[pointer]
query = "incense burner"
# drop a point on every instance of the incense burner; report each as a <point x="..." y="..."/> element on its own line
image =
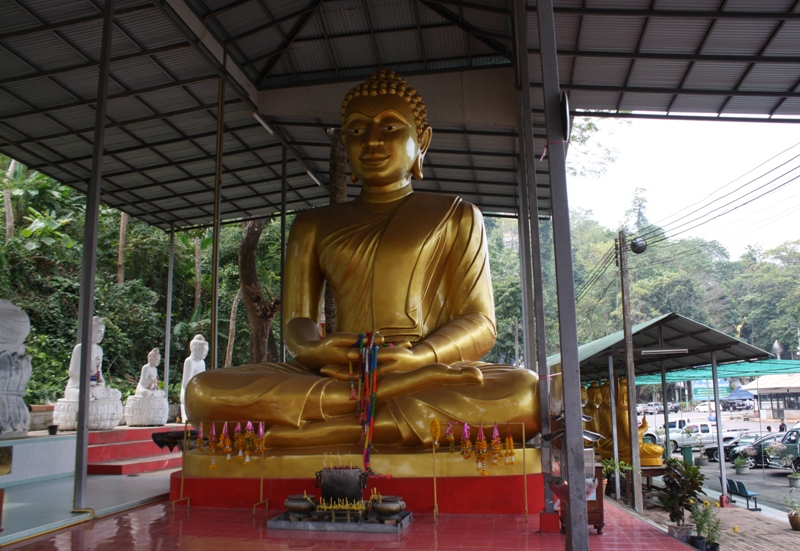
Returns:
<point x="341" y="483"/>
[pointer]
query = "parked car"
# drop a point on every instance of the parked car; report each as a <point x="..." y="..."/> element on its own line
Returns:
<point x="732" y="446"/>
<point x="654" y="407"/>
<point x="639" y="409"/>
<point x="754" y="453"/>
<point x="689" y="434"/>
<point x="673" y="407"/>
<point x="790" y="449"/>
<point x="705" y="407"/>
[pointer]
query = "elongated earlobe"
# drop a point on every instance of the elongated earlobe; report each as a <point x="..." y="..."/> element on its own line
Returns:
<point x="353" y="177"/>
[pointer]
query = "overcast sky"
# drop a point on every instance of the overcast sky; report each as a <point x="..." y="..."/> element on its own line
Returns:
<point x="681" y="163"/>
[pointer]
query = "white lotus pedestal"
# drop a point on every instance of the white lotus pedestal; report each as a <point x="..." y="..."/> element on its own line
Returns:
<point x="151" y="411"/>
<point x="103" y="414"/>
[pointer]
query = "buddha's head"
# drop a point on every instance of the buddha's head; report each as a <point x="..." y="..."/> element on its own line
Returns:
<point x="98" y="329"/>
<point x="154" y="357"/>
<point x="386" y="132"/>
<point x="595" y="395"/>
<point x="198" y="347"/>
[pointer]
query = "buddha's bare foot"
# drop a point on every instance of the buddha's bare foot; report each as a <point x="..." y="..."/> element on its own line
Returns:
<point x="428" y="376"/>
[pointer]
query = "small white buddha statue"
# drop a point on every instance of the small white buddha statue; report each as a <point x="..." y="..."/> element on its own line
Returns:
<point x="97" y="384"/>
<point x="148" y="381"/>
<point x="193" y="365"/>
<point x="105" y="406"/>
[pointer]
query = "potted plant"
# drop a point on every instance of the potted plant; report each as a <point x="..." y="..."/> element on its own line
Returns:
<point x="683" y="484"/>
<point x="741" y="465"/>
<point x="794" y="510"/>
<point x="610" y="466"/>
<point x="707" y="526"/>
<point x="794" y="476"/>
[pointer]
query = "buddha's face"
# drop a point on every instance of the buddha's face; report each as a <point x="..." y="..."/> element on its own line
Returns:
<point x="380" y="134"/>
<point x="98" y="330"/>
<point x="154" y="358"/>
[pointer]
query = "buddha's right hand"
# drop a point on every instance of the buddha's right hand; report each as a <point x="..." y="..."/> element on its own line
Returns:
<point x="310" y="350"/>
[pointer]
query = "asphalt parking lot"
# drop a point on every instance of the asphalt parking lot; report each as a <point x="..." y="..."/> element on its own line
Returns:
<point x="771" y="483"/>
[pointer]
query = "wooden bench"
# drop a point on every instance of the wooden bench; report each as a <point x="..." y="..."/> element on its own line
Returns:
<point x="740" y="489"/>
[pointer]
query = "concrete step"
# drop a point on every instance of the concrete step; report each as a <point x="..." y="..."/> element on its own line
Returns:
<point x="137" y="466"/>
<point x="127" y="434"/>
<point x="99" y="453"/>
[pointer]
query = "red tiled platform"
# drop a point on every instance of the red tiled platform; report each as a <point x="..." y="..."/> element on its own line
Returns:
<point x="124" y="451"/>
<point x="156" y="527"/>
<point x="459" y="495"/>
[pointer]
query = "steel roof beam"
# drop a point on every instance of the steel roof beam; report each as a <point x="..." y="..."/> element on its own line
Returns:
<point x="653" y="116"/>
<point x="90" y="64"/>
<point x="479" y="34"/>
<point x="132" y="93"/>
<point x="685" y="91"/>
<point x="699" y="14"/>
<point x="72" y="22"/>
<point x="296" y="29"/>
<point x="265" y="26"/>
<point x="723" y="58"/>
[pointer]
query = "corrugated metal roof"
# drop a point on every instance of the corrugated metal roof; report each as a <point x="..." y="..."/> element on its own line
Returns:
<point x="682" y="57"/>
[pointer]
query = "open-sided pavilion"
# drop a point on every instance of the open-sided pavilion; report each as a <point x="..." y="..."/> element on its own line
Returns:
<point x="193" y="112"/>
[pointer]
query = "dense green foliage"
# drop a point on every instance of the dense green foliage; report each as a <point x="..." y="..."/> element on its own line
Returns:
<point x="40" y="272"/>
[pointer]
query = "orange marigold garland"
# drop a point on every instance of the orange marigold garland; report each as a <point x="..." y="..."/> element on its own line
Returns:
<point x="497" y="445"/>
<point x="481" y="448"/>
<point x="448" y="435"/>
<point x="225" y="441"/>
<point x="510" y="453"/>
<point x="260" y="444"/>
<point x="200" y="440"/>
<point x="466" y="443"/>
<point x="436" y="432"/>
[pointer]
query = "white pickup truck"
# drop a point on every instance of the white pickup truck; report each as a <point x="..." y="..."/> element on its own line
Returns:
<point x="688" y="433"/>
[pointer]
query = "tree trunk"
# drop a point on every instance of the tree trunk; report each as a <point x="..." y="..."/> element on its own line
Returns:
<point x="123" y="235"/>
<point x="260" y="311"/>
<point x="232" y="328"/>
<point x="338" y="194"/>
<point x="12" y="167"/>
<point x="197" y="279"/>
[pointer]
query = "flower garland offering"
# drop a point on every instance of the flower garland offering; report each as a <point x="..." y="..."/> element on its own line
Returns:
<point x="261" y="441"/>
<point x="481" y="447"/>
<point x="238" y="439"/>
<point x="448" y="435"/>
<point x="212" y="446"/>
<point x="497" y="446"/>
<point x="435" y="432"/>
<point x="509" y="453"/>
<point x="225" y="441"/>
<point x="466" y="443"/>
<point x="249" y="443"/>
<point x="367" y="392"/>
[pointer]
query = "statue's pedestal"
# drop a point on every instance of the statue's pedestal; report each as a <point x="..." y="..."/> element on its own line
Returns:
<point x="146" y="412"/>
<point x="460" y="489"/>
<point x="103" y="414"/>
<point x="15" y="371"/>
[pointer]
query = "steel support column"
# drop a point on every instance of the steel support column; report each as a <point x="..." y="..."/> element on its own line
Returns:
<point x="613" y="398"/>
<point x="724" y="498"/>
<point x="86" y="301"/>
<point x="217" y="227"/>
<point x="282" y="351"/>
<point x="168" y="325"/>
<point x="530" y="247"/>
<point x="577" y="525"/>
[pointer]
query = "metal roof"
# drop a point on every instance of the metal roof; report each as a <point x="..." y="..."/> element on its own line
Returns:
<point x="690" y="341"/>
<point x="775" y="368"/>
<point x="735" y="60"/>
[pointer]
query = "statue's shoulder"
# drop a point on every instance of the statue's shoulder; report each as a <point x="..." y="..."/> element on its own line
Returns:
<point x="445" y="204"/>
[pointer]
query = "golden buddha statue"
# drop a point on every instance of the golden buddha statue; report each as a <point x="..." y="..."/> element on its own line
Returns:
<point x="595" y="398"/>
<point x="623" y="421"/>
<point x="650" y="455"/>
<point x="412" y="267"/>
<point x="605" y="446"/>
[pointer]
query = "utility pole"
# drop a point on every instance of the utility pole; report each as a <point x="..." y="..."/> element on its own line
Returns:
<point x="633" y="421"/>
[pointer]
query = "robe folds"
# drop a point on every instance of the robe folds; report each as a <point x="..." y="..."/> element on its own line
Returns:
<point x="414" y="270"/>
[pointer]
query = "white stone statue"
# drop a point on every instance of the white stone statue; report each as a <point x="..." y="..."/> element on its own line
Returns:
<point x="15" y="370"/>
<point x="149" y="406"/>
<point x="148" y="382"/>
<point x="105" y="407"/>
<point x="97" y="384"/>
<point x="193" y="365"/>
